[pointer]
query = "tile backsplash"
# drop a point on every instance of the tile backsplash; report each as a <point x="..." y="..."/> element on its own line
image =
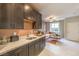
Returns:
<point x="20" y="32"/>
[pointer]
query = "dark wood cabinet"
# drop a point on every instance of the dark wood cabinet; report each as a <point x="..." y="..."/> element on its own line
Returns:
<point x="38" y="18"/>
<point x="11" y="15"/>
<point x="19" y="16"/>
<point x="35" y="16"/>
<point x="32" y="49"/>
<point x="28" y="13"/>
<point x="21" y="51"/>
<point x="36" y="47"/>
<point x="40" y="21"/>
<point x="42" y="44"/>
<point x="3" y="16"/>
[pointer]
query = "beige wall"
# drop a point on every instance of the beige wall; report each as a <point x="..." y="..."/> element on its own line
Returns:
<point x="71" y="28"/>
<point x="61" y="28"/>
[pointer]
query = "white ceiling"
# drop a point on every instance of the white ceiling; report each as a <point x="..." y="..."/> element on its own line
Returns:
<point x="59" y="10"/>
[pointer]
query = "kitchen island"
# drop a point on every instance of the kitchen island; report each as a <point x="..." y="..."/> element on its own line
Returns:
<point x="23" y="47"/>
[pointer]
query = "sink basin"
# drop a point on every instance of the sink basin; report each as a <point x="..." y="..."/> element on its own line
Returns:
<point x="1" y="47"/>
<point x="31" y="38"/>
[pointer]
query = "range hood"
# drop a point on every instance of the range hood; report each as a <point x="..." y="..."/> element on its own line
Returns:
<point x="29" y="24"/>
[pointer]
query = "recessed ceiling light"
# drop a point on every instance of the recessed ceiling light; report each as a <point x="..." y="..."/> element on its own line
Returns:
<point x="29" y="17"/>
<point x="27" y="7"/>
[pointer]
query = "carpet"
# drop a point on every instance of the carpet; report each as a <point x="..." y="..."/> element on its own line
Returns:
<point x="53" y="40"/>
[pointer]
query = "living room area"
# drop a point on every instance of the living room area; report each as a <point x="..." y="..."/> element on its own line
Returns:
<point x="62" y="37"/>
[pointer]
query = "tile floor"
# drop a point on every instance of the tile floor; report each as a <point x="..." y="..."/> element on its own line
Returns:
<point x="62" y="48"/>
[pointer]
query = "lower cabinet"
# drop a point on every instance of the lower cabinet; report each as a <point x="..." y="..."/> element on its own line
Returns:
<point x="21" y="51"/>
<point x="42" y="43"/>
<point x="32" y="49"/>
<point x="36" y="47"/>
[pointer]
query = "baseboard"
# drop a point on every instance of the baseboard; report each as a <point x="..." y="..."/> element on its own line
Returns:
<point x="73" y="40"/>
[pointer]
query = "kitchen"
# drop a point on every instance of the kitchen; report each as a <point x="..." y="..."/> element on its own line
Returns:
<point x="39" y="29"/>
<point x="19" y="24"/>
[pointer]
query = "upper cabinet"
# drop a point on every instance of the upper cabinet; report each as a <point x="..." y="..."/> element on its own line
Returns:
<point x="32" y="14"/>
<point x="3" y="16"/>
<point x="38" y="18"/>
<point x="11" y="16"/>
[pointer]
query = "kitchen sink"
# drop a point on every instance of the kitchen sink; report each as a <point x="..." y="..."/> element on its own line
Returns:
<point x="31" y="38"/>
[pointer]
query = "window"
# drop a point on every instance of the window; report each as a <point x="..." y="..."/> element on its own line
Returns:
<point x="54" y="27"/>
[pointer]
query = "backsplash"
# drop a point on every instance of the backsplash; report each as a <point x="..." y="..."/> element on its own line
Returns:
<point x="20" y="32"/>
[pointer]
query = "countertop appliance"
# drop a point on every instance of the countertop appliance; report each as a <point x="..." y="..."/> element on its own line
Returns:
<point x="14" y="37"/>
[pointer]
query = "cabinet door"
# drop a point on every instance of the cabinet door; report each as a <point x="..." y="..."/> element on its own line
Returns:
<point x="3" y="16"/>
<point x="37" y="48"/>
<point x="28" y="14"/>
<point x="19" y="16"/>
<point x="43" y="41"/>
<point x="22" y="51"/>
<point x="41" y="44"/>
<point x="7" y="13"/>
<point x="15" y="15"/>
<point x="11" y="15"/>
<point x="31" y="49"/>
<point x="38" y="19"/>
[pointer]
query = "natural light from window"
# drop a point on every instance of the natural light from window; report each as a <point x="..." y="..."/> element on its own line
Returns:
<point x="54" y="27"/>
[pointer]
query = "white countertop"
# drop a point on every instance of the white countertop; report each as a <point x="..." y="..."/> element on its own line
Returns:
<point x="13" y="45"/>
